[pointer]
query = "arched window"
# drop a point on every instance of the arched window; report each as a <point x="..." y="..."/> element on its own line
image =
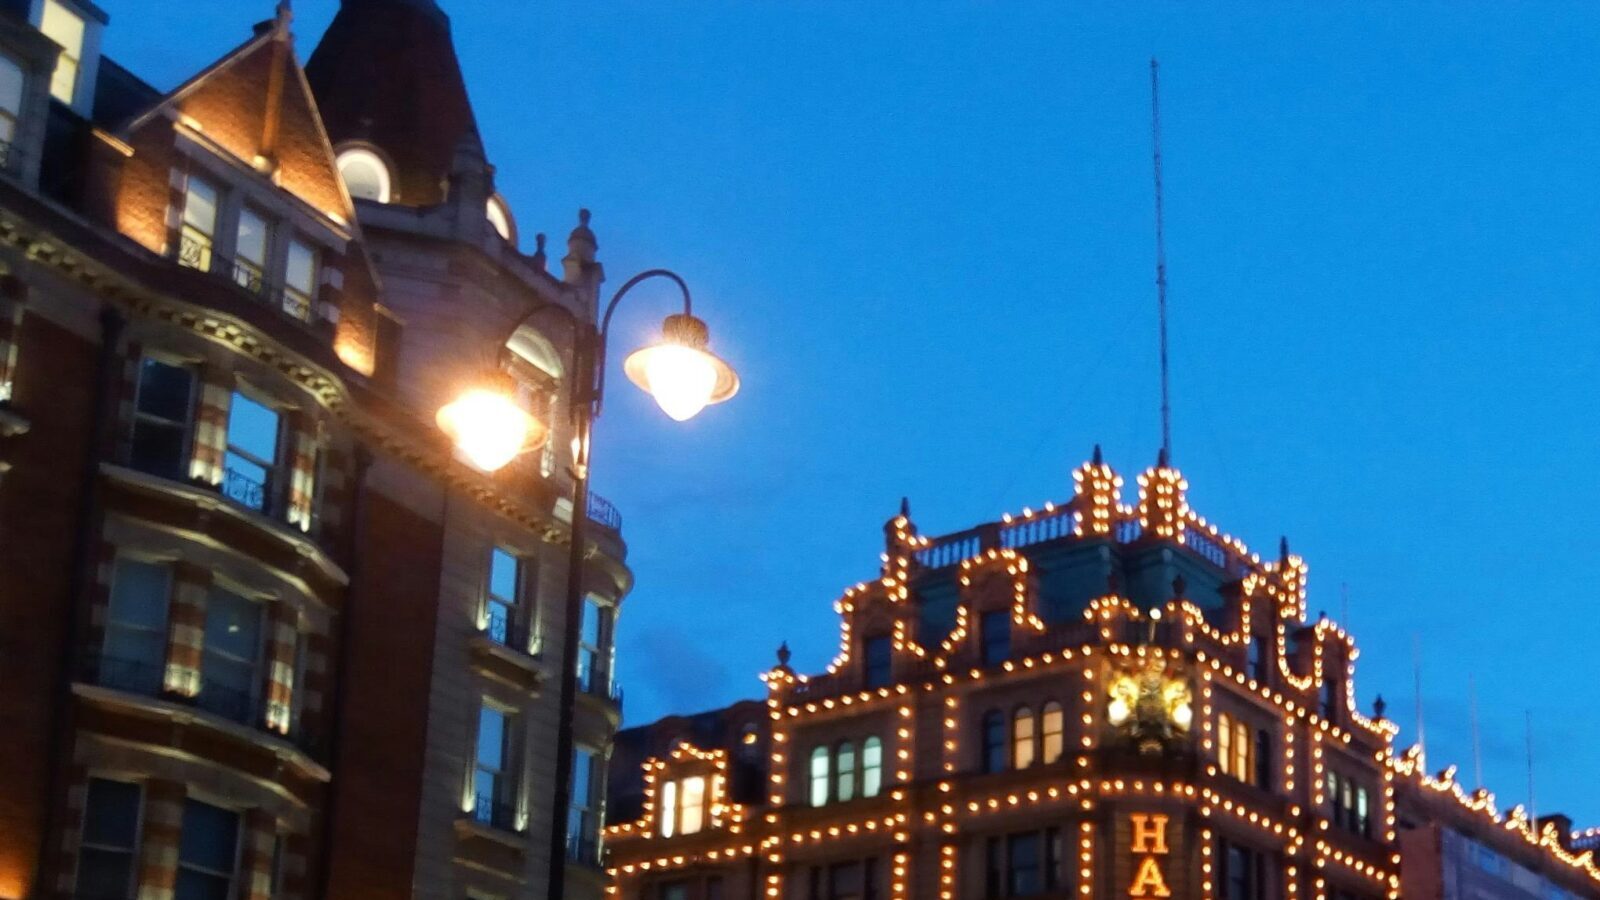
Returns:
<point x="1022" y="749"/>
<point x="846" y="772"/>
<point x="819" y="776"/>
<point x="366" y="175"/>
<point x="1053" y="725"/>
<point x="871" y="767"/>
<point x="994" y="741"/>
<point x="500" y="219"/>
<point x="667" y="815"/>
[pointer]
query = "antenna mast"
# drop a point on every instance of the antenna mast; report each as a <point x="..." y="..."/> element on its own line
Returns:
<point x="1533" y="811"/>
<point x="1161" y="256"/>
<point x="1477" y="740"/>
<point x="1416" y="664"/>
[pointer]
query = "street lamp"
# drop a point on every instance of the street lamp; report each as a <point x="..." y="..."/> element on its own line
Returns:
<point x="491" y="429"/>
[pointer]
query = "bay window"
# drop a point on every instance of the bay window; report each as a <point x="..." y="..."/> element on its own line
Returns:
<point x="134" y="654"/>
<point x="163" y="411"/>
<point x="250" y="251"/>
<point x="197" y="236"/>
<point x="254" y="435"/>
<point x="230" y="663"/>
<point x="108" y="853"/>
<point x="300" y="280"/>
<point x="208" y="848"/>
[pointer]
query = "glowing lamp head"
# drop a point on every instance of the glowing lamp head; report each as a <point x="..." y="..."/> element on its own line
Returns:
<point x="489" y="428"/>
<point x="679" y="371"/>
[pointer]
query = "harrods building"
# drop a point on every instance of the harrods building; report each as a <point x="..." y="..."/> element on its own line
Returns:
<point x="1097" y="699"/>
<point x="263" y="634"/>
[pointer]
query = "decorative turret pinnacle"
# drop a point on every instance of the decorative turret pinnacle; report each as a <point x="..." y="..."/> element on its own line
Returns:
<point x="1096" y="495"/>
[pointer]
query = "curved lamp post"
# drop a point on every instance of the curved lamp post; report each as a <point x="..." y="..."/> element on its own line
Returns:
<point x="491" y="429"/>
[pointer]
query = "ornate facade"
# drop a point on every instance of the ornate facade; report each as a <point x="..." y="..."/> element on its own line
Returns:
<point x="262" y="632"/>
<point x="1097" y="699"/>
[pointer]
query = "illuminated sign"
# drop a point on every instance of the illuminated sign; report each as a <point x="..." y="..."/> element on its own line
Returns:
<point x="1149" y="850"/>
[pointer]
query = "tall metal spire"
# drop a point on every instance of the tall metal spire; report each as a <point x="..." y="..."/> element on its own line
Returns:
<point x="1161" y="255"/>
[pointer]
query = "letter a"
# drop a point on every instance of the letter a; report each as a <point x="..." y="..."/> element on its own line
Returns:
<point x="1149" y="883"/>
<point x="1149" y="833"/>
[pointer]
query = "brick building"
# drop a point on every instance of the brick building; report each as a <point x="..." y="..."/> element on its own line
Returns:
<point x="1096" y="699"/>
<point x="262" y="632"/>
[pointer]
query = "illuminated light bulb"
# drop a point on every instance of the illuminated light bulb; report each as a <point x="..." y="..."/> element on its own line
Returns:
<point x="489" y="428"/>
<point x="679" y="372"/>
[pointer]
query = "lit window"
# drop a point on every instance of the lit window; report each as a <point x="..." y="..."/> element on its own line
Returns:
<point x="250" y="251"/>
<point x="871" y="767"/>
<point x="500" y="219"/>
<point x="819" y="776"/>
<point x="135" y="650"/>
<point x="208" y="847"/>
<point x="694" y="804"/>
<point x="1233" y="748"/>
<point x="162" y="410"/>
<point x="252" y="457"/>
<point x="231" y="658"/>
<point x="1022" y="749"/>
<point x="504" y="577"/>
<point x="669" y="808"/>
<point x="66" y="28"/>
<point x="1054" y="726"/>
<point x="11" y="85"/>
<point x="110" y="833"/>
<point x="198" y="235"/>
<point x="300" y="280"/>
<point x="846" y="776"/>
<point x="365" y="175"/>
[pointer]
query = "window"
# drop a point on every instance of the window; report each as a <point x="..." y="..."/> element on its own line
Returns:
<point x="250" y="251"/>
<point x="694" y="804"/>
<point x="252" y="457"/>
<point x="1263" y="759"/>
<point x="500" y="218"/>
<point x="879" y="657"/>
<point x="846" y="772"/>
<point x="668" y="815"/>
<point x="1243" y="873"/>
<point x="1330" y="699"/>
<point x="365" y="175"/>
<point x="714" y="888"/>
<point x="675" y="890"/>
<point x="593" y="637"/>
<point x="66" y="28"/>
<point x="856" y="880"/>
<point x="1234" y="748"/>
<point x="197" y="237"/>
<point x="995" y="631"/>
<point x="871" y="767"/>
<point x="994" y="741"/>
<point x="1053" y="726"/>
<point x="504" y="572"/>
<point x="1023" y="865"/>
<point x="162" y="409"/>
<point x="819" y="776"/>
<point x="207" y="852"/>
<point x="492" y="781"/>
<point x="12" y="82"/>
<point x="1022" y="749"/>
<point x="300" y="280"/>
<point x="1350" y="804"/>
<point x="583" y="814"/>
<point x="135" y="650"/>
<point x="1256" y="660"/>
<point x="231" y="656"/>
<point x="107" y="856"/>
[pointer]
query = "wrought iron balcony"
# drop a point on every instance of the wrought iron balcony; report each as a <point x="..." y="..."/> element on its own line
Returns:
<point x="603" y="513"/>
<point x="495" y="814"/>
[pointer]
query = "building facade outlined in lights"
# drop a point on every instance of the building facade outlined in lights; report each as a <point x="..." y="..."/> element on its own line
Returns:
<point x="1097" y="699"/>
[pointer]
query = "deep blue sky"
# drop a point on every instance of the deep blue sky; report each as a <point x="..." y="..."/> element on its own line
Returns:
<point x="922" y="231"/>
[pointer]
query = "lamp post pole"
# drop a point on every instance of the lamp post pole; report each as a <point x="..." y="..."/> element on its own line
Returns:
<point x="589" y="370"/>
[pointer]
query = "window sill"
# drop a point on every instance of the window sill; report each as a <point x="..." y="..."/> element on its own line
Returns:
<point x="467" y="826"/>
<point x="12" y="425"/>
<point x="523" y="671"/>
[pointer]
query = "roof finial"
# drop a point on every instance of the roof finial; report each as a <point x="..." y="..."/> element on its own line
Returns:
<point x="581" y="243"/>
<point x="1283" y="548"/>
<point x="1161" y="459"/>
<point x="539" y="257"/>
<point x="1098" y="459"/>
<point x="784" y="655"/>
<point x="285" y="15"/>
<point x="1379" y="707"/>
<point x="905" y="507"/>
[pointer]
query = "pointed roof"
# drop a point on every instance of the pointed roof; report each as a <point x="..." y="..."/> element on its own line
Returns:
<point x="386" y="73"/>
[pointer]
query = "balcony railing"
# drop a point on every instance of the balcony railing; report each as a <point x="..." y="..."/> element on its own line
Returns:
<point x="504" y="629"/>
<point x="496" y="814"/>
<point x="198" y="254"/>
<point x="583" y="849"/>
<point x="244" y="490"/>
<point x="603" y="513"/>
<point x="147" y="679"/>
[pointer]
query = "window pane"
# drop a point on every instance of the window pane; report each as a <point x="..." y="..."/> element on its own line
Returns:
<point x="879" y="661"/>
<point x="111" y="817"/>
<point x="253" y="428"/>
<point x="995" y="630"/>
<point x="694" y="798"/>
<point x="1053" y="725"/>
<point x="208" y="837"/>
<point x="994" y="741"/>
<point x="11" y="81"/>
<point x="233" y="628"/>
<point x="1025" y="856"/>
<point x="165" y="390"/>
<point x="200" y="207"/>
<point x="301" y="272"/>
<point x="1022" y="739"/>
<point x="503" y="576"/>
<point x="491" y="738"/>
<point x="590" y="627"/>
<point x="668" y="814"/>
<point x="819" y="776"/>
<point x="66" y="28"/>
<point x="252" y="244"/>
<point x="847" y="772"/>
<point x="871" y="767"/>
<point x="139" y="593"/>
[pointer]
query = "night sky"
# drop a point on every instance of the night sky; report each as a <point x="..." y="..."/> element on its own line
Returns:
<point x="923" y="233"/>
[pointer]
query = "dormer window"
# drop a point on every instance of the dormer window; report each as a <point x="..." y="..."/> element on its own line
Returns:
<point x="197" y="238"/>
<point x="500" y="219"/>
<point x="366" y="175"/>
<point x="64" y="26"/>
<point x="250" y="251"/>
<point x="300" y="280"/>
